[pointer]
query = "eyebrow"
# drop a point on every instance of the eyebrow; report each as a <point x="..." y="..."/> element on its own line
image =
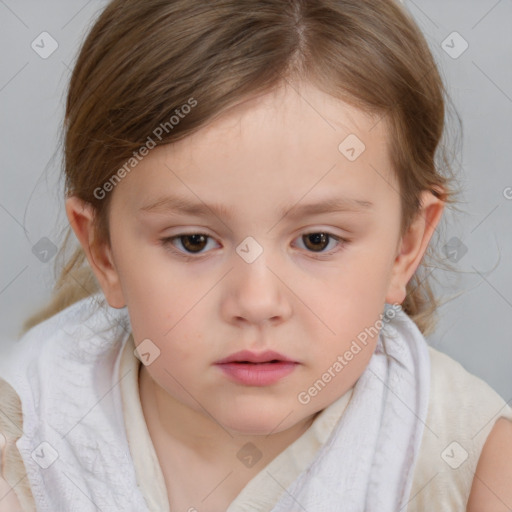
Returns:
<point x="178" y="204"/>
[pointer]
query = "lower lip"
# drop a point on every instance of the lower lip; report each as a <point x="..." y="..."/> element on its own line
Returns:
<point x="261" y="374"/>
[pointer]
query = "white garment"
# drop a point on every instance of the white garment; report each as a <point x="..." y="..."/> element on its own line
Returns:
<point x="70" y="362"/>
<point x="74" y="443"/>
<point x="367" y="463"/>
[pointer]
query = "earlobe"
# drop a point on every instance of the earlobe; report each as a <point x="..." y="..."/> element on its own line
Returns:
<point x="413" y="245"/>
<point x="81" y="218"/>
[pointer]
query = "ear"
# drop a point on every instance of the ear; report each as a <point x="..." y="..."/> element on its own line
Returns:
<point x="81" y="216"/>
<point x="413" y="245"/>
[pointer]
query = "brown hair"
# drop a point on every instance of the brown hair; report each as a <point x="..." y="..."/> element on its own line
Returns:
<point x="143" y="60"/>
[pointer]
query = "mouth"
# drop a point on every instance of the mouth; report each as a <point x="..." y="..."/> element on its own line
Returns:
<point x="252" y="369"/>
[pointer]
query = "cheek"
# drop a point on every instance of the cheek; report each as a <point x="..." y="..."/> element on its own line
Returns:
<point x="164" y="303"/>
<point x="356" y="292"/>
<point x="154" y="290"/>
<point x="174" y="326"/>
<point x="177" y="368"/>
<point x="350" y="308"/>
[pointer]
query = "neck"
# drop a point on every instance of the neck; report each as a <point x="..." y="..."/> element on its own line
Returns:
<point x="198" y="431"/>
<point x="194" y="450"/>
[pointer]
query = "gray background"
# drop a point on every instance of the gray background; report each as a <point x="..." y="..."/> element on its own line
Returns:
<point x="475" y="328"/>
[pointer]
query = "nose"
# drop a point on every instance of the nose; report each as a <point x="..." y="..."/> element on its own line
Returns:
<point x="257" y="293"/>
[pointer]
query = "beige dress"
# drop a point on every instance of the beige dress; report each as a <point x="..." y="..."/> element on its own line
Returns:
<point x="462" y="411"/>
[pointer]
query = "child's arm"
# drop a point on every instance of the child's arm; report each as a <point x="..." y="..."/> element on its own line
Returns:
<point x="491" y="490"/>
<point x="8" y="499"/>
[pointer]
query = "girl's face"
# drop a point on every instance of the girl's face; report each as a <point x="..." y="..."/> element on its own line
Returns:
<point x="296" y="214"/>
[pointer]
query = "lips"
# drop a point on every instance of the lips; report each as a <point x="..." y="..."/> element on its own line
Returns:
<point x="246" y="356"/>
<point x="253" y="369"/>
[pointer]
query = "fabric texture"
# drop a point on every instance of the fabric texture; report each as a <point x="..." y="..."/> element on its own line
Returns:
<point x="367" y="462"/>
<point x="464" y="415"/>
<point x="74" y="445"/>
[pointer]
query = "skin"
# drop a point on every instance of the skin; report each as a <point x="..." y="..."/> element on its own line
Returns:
<point x="8" y="499"/>
<point x="273" y="151"/>
<point x="491" y="490"/>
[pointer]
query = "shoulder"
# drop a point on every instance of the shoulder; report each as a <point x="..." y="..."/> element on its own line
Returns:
<point x="462" y="411"/>
<point x="80" y="334"/>
<point x="458" y="397"/>
<point x="491" y="490"/>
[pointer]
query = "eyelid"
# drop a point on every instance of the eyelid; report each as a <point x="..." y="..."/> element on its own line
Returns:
<point x="341" y="243"/>
<point x="169" y="246"/>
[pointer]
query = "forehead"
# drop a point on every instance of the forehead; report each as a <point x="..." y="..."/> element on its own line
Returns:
<point x="292" y="142"/>
<point x="292" y="116"/>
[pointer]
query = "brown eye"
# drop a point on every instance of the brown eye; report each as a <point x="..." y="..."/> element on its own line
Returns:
<point x="316" y="241"/>
<point x="194" y="243"/>
<point x="322" y="244"/>
<point x="187" y="244"/>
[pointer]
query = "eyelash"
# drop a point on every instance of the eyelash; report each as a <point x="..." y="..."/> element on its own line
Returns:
<point x="168" y="245"/>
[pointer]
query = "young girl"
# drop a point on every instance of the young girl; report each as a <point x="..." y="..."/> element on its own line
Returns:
<point x="254" y="186"/>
